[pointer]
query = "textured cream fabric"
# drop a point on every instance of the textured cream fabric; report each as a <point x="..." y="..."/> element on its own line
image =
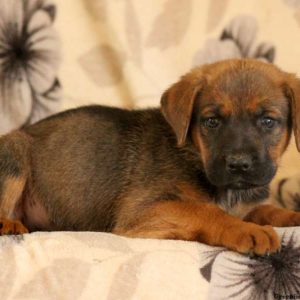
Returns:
<point x="93" y="266"/>
<point x="98" y="266"/>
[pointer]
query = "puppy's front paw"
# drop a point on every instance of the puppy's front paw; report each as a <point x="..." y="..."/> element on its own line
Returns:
<point x="251" y="238"/>
<point x="12" y="227"/>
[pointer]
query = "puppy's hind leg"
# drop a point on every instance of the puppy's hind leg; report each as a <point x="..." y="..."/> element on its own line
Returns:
<point x="14" y="171"/>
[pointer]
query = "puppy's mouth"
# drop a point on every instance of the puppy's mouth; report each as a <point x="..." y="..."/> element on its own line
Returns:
<point x="243" y="185"/>
<point x="224" y="181"/>
<point x="248" y="182"/>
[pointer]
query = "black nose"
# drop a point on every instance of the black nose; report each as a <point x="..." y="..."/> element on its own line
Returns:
<point x="238" y="163"/>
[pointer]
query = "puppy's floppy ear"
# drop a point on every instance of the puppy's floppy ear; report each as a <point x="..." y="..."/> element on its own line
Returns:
<point x="177" y="104"/>
<point x="292" y="89"/>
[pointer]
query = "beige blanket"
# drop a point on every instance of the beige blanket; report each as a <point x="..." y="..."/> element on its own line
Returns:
<point x="71" y="266"/>
<point x="99" y="266"/>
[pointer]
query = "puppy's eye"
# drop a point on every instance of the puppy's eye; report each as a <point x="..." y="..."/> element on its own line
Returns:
<point x="212" y="122"/>
<point x="268" y="122"/>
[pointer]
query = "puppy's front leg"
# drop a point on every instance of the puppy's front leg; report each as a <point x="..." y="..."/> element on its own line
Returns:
<point x="204" y="223"/>
<point x="270" y="215"/>
<point x="13" y="174"/>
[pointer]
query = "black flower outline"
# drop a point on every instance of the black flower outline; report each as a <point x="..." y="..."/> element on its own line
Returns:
<point x="274" y="276"/>
<point x="280" y="271"/>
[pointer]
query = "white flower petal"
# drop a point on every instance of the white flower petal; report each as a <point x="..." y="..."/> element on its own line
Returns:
<point x="39" y="20"/>
<point x="46" y="45"/>
<point x="11" y="19"/>
<point x="15" y="102"/>
<point x="45" y="39"/>
<point x="35" y="61"/>
<point x="41" y="75"/>
<point x="215" y="50"/>
<point x="242" y="29"/>
<point x="11" y="11"/>
<point x="34" y="5"/>
<point x="46" y="104"/>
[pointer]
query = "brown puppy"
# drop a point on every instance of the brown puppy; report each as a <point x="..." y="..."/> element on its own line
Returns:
<point x="177" y="173"/>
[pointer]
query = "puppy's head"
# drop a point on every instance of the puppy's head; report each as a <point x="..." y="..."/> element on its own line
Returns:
<point x="239" y="114"/>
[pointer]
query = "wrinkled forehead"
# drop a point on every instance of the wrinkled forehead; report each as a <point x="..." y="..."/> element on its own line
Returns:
<point x="238" y="90"/>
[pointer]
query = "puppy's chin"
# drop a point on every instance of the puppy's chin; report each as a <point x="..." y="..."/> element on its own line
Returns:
<point x="242" y="185"/>
<point x="228" y="198"/>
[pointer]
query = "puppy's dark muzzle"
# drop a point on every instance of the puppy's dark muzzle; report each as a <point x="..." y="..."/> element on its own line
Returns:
<point x="238" y="163"/>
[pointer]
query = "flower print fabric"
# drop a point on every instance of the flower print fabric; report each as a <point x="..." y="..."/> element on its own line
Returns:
<point x="273" y="276"/>
<point x="29" y="59"/>
<point x="237" y="40"/>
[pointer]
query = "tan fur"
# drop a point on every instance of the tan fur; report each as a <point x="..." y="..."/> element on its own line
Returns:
<point x="205" y="223"/>
<point x="11" y="194"/>
<point x="271" y="215"/>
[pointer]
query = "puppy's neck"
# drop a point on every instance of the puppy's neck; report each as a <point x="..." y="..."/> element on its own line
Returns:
<point x="228" y="198"/>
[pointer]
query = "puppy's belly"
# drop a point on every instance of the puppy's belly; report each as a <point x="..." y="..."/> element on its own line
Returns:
<point x="35" y="216"/>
